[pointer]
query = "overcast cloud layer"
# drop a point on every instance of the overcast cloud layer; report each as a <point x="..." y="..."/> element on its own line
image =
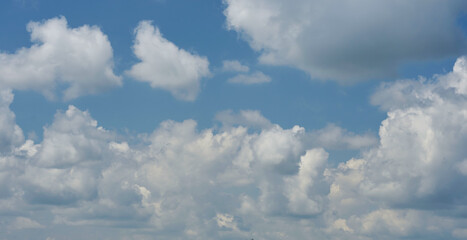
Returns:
<point x="248" y="179"/>
<point x="348" y="41"/>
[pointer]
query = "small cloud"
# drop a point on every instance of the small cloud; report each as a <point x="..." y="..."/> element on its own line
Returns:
<point x="234" y="66"/>
<point x="249" y="79"/>
<point x="164" y="65"/>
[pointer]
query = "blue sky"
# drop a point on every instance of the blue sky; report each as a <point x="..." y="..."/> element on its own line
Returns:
<point x="235" y="119"/>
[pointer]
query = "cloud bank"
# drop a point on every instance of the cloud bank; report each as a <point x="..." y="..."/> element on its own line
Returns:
<point x="347" y="41"/>
<point x="249" y="179"/>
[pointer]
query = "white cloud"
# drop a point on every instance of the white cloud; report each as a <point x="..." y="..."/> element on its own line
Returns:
<point x="350" y="40"/>
<point x="166" y="66"/>
<point x="234" y="183"/>
<point x="68" y="160"/>
<point x="435" y="140"/>
<point x="249" y="79"/>
<point x="79" y="59"/>
<point x="234" y="66"/>
<point x="415" y="168"/>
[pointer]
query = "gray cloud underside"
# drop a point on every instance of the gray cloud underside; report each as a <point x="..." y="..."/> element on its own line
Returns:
<point x="348" y="41"/>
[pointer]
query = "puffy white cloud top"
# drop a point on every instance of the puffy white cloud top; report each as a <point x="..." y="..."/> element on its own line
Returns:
<point x="166" y="66"/>
<point x="347" y="41"/>
<point x="78" y="60"/>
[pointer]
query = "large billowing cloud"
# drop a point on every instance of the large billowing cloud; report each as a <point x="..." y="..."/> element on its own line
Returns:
<point x="78" y="60"/>
<point x="348" y="40"/>
<point x="166" y="66"/>
<point x="249" y="179"/>
<point x="410" y="185"/>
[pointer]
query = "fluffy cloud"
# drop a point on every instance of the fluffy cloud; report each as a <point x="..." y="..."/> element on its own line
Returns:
<point x="249" y="79"/>
<point x="166" y="66"/>
<point x="250" y="178"/>
<point x="79" y="60"/>
<point x="350" y="40"/>
<point x="416" y="170"/>
<point x="431" y="120"/>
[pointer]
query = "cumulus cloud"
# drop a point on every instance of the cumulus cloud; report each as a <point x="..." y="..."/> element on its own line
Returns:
<point x="166" y="66"/>
<point x="431" y="122"/>
<point x="249" y="79"/>
<point x="347" y="41"/>
<point x="250" y="178"/>
<point x="234" y="66"/>
<point x="417" y="167"/>
<point x="78" y="60"/>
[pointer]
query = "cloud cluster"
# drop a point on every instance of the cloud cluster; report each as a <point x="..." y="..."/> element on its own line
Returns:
<point x="177" y="180"/>
<point x="347" y="41"/>
<point x="78" y="60"/>
<point x="166" y="66"/>
<point x="249" y="178"/>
